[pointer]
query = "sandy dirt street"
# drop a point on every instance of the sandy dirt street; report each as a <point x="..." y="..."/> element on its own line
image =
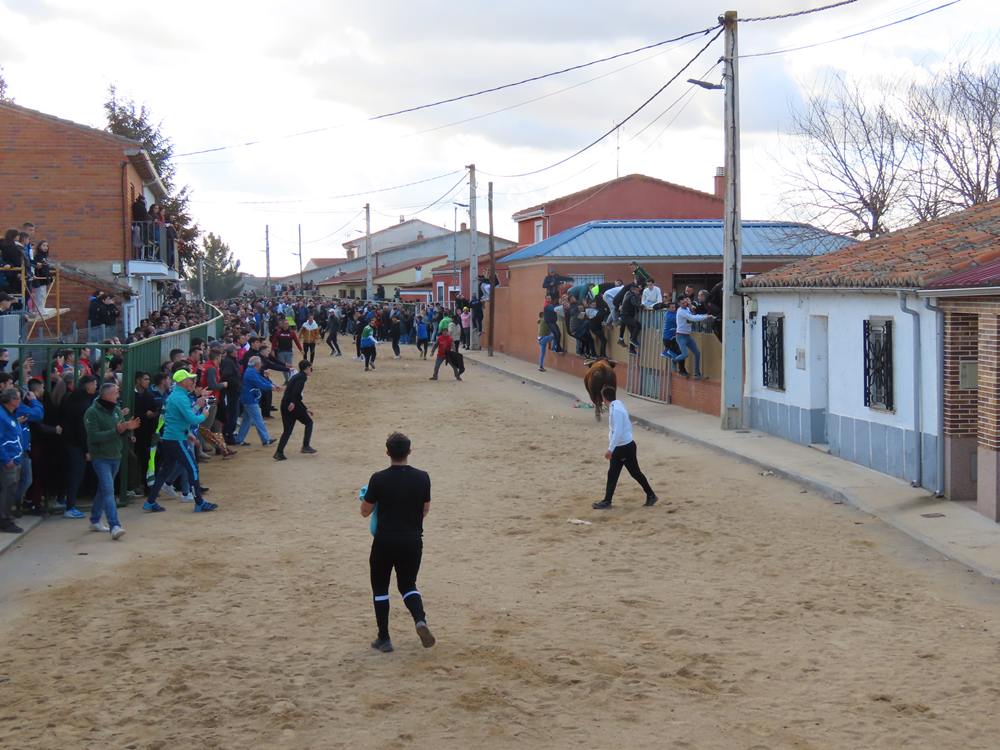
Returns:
<point x="741" y="612"/>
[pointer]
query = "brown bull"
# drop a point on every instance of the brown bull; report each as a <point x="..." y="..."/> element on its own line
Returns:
<point x="600" y="374"/>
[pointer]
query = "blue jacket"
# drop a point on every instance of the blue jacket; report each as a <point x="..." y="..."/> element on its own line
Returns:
<point x="179" y="415"/>
<point x="10" y="438"/>
<point x="422" y="331"/>
<point x="254" y="384"/>
<point x="669" y="325"/>
<point x="35" y="412"/>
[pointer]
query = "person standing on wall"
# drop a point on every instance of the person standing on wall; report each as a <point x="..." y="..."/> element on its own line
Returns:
<point x="402" y="496"/>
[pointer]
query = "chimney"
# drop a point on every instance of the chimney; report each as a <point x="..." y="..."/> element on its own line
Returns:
<point x="464" y="228"/>
<point x="402" y="219"/>
<point x="350" y="253"/>
<point x="720" y="182"/>
<point x="420" y="235"/>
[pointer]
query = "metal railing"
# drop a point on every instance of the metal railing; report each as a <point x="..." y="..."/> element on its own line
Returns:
<point x="152" y="241"/>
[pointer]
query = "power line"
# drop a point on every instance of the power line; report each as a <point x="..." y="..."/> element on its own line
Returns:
<point x="449" y="193"/>
<point x="796" y="13"/>
<point x="355" y="195"/>
<point x="850" y="36"/>
<point x="471" y="95"/>
<point x="634" y="112"/>
<point x="338" y="230"/>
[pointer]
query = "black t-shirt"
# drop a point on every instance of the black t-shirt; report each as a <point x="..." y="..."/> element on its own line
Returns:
<point x="399" y="494"/>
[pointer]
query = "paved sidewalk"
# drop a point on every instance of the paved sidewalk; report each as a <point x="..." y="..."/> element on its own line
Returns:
<point x="27" y="523"/>
<point x="959" y="532"/>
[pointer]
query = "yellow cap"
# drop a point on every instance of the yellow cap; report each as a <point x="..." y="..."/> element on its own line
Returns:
<point x="182" y="375"/>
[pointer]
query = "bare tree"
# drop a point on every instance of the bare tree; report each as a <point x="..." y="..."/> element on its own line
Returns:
<point x="850" y="175"/>
<point x="3" y="89"/>
<point x="955" y="122"/>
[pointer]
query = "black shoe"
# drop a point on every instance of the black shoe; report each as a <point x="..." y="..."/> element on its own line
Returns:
<point x="309" y="449"/>
<point x="603" y="505"/>
<point x="203" y="488"/>
<point x="10" y="527"/>
<point x="650" y="501"/>
<point x="382" y="644"/>
<point x="280" y="457"/>
<point x="425" y="635"/>
<point x="271" y="441"/>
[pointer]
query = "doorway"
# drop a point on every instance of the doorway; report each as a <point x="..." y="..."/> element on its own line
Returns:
<point x="819" y="377"/>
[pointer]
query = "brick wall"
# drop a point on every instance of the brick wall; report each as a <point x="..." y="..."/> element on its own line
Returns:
<point x="989" y="382"/>
<point x="69" y="182"/>
<point x="961" y="342"/>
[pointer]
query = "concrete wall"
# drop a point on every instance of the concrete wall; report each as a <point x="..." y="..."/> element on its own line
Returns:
<point x="823" y="399"/>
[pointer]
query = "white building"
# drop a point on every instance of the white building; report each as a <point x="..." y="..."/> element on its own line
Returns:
<point x="843" y="354"/>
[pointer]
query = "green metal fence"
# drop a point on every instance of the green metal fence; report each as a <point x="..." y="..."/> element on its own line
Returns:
<point x="147" y="355"/>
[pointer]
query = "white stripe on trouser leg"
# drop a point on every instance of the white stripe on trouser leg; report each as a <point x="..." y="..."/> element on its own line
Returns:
<point x="383" y="598"/>
<point x="410" y="593"/>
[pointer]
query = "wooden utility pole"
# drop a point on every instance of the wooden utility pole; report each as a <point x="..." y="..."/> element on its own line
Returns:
<point x="267" y="259"/>
<point x="369" y="289"/>
<point x="732" y="255"/>
<point x="473" y="249"/>
<point x="301" y="285"/>
<point x="493" y="275"/>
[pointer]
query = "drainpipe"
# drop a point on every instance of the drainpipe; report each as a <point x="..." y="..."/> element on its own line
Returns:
<point x="939" y="329"/>
<point x="917" y="422"/>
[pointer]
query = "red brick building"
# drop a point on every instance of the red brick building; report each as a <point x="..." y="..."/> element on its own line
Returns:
<point x="77" y="185"/>
<point x="634" y="196"/>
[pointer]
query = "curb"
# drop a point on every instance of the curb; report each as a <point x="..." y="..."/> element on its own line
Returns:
<point x="12" y="539"/>
<point x="820" y="488"/>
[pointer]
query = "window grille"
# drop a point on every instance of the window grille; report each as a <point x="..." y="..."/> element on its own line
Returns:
<point x="774" y="351"/>
<point x="878" y="364"/>
<point x="588" y="279"/>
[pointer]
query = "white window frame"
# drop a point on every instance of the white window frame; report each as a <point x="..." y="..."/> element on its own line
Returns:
<point x="539" y="230"/>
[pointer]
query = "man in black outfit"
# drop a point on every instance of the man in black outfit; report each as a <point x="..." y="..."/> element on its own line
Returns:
<point x="402" y="496"/>
<point x="229" y="372"/>
<point x="293" y="410"/>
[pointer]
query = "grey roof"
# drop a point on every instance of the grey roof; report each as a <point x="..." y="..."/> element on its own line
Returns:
<point x="680" y="238"/>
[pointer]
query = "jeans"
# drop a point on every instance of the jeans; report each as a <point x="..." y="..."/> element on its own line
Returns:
<point x="252" y="415"/>
<point x="8" y="486"/>
<point x="543" y="344"/>
<point x="77" y="461"/>
<point x="104" y="497"/>
<point x="26" y="478"/>
<point x="686" y="342"/>
<point x="286" y="358"/>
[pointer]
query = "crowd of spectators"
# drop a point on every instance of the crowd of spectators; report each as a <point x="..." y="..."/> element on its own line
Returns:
<point x="25" y="259"/>
<point x="154" y="236"/>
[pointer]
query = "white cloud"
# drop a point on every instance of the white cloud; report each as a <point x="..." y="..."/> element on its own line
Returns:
<point x="221" y="73"/>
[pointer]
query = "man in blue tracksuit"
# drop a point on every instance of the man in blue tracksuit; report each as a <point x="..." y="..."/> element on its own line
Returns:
<point x="254" y="384"/>
<point x="33" y="412"/>
<point x="11" y="455"/>
<point x="179" y="416"/>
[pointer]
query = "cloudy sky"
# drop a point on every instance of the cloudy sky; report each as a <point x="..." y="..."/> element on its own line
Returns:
<point x="303" y="78"/>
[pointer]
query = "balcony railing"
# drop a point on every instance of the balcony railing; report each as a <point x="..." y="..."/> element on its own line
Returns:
<point x="153" y="241"/>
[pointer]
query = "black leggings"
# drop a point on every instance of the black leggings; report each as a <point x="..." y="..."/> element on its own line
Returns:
<point x="331" y="341"/>
<point x="309" y="352"/>
<point x="288" y="420"/>
<point x="369" y="352"/>
<point x="395" y="343"/>
<point x="625" y="455"/>
<point x="403" y="554"/>
<point x="422" y="346"/>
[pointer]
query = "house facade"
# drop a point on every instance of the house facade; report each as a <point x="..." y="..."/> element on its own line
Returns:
<point x="352" y="285"/>
<point x="634" y="196"/>
<point x="406" y="231"/>
<point x="845" y="351"/>
<point x="77" y="184"/>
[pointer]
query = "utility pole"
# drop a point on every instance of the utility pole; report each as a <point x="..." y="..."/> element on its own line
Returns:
<point x="473" y="250"/>
<point x="301" y="284"/>
<point x="493" y="275"/>
<point x="732" y="254"/>
<point x="369" y="290"/>
<point x="201" y="277"/>
<point x="267" y="259"/>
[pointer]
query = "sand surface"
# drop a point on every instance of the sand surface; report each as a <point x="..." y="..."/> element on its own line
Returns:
<point x="741" y="612"/>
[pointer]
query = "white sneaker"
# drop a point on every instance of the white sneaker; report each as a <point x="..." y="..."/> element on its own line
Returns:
<point x="117" y="533"/>
<point x="396" y="357"/>
<point x="99" y="527"/>
<point x="188" y="498"/>
<point x="170" y="491"/>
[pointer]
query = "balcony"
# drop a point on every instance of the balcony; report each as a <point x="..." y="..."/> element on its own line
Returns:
<point x="154" y="251"/>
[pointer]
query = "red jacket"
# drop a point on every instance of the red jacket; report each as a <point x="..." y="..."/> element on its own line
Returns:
<point x="445" y="343"/>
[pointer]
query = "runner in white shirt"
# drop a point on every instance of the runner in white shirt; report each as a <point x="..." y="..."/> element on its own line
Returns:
<point x="621" y="451"/>
<point x="609" y="297"/>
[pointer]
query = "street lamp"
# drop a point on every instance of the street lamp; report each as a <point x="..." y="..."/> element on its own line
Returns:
<point x="706" y="84"/>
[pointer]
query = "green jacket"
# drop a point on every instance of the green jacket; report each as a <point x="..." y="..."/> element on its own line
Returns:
<point x="103" y="438"/>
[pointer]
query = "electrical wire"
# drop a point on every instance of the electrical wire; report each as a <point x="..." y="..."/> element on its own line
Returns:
<point x="634" y="112"/>
<point x="481" y="92"/>
<point x="355" y="195"/>
<point x="794" y="14"/>
<point x="338" y="230"/>
<point x="449" y="193"/>
<point x="849" y="36"/>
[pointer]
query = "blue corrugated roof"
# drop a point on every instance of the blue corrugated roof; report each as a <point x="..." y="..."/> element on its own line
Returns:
<point x="680" y="238"/>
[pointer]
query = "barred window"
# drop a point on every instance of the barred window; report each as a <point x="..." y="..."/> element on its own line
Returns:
<point x="878" y="363"/>
<point x="588" y="279"/>
<point x="774" y="351"/>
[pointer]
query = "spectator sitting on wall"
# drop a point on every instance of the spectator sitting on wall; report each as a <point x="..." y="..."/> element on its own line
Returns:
<point x="652" y="297"/>
<point x="551" y="284"/>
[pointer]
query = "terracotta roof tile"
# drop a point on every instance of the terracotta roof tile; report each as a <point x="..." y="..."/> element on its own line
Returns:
<point x="910" y="258"/>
